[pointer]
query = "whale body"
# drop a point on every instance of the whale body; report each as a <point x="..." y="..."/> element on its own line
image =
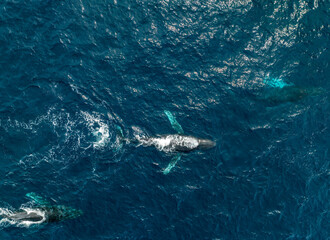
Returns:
<point x="278" y="91"/>
<point x="276" y="96"/>
<point x="177" y="143"/>
<point x="24" y="215"/>
<point x="42" y="213"/>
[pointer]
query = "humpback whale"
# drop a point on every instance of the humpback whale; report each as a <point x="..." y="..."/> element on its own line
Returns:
<point x="43" y="212"/>
<point x="278" y="91"/>
<point x="178" y="142"/>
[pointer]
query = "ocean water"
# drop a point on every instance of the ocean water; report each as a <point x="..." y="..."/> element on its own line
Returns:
<point x="72" y="71"/>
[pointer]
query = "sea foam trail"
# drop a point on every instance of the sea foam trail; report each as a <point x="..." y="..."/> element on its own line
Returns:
<point x="82" y="129"/>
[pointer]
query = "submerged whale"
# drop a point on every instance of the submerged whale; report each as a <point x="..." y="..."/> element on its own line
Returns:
<point x="44" y="212"/>
<point x="277" y="91"/>
<point x="177" y="143"/>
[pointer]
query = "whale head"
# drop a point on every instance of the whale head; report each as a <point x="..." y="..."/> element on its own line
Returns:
<point x="205" y="144"/>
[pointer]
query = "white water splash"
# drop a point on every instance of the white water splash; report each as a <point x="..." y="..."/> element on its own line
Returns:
<point x="98" y="128"/>
<point x="80" y="130"/>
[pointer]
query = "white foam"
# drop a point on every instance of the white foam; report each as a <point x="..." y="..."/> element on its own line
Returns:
<point x="74" y="130"/>
<point x="162" y="144"/>
<point x="102" y="136"/>
<point x="98" y="128"/>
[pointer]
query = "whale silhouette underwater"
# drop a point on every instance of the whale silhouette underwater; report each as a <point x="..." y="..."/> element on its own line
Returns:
<point x="277" y="91"/>
<point x="43" y="212"/>
<point x="178" y="143"/>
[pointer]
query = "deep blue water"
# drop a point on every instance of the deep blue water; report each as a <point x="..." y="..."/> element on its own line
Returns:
<point x="72" y="68"/>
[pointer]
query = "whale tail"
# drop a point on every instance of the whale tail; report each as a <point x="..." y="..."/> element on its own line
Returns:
<point x="175" y="125"/>
<point x="172" y="164"/>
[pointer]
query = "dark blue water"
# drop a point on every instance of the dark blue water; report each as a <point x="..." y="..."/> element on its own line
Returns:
<point x="70" y="70"/>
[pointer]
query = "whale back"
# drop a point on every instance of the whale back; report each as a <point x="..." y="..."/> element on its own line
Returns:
<point x="25" y="216"/>
<point x="174" y="143"/>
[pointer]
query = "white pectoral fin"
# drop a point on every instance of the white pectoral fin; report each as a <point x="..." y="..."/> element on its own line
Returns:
<point x="172" y="164"/>
<point x="175" y="125"/>
<point x="37" y="199"/>
<point x="276" y="83"/>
